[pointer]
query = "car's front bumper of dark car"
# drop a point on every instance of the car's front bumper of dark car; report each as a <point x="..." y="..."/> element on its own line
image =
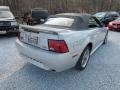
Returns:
<point x="11" y="29"/>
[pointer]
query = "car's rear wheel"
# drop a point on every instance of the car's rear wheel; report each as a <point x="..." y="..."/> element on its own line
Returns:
<point x="83" y="60"/>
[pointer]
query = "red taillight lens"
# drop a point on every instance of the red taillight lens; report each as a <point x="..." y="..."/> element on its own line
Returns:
<point x="58" y="46"/>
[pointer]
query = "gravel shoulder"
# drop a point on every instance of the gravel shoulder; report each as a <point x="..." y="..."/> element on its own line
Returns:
<point x="102" y="72"/>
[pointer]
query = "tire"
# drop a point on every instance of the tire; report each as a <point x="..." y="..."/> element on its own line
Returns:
<point x="106" y="39"/>
<point x="84" y="59"/>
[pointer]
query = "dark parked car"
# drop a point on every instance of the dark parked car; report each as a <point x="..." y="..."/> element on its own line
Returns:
<point x="106" y="17"/>
<point x="36" y="16"/>
<point x="8" y="23"/>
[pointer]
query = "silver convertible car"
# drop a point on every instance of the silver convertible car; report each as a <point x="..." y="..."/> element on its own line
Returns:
<point x="64" y="41"/>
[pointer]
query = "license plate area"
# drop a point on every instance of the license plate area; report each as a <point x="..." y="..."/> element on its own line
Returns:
<point x="33" y="38"/>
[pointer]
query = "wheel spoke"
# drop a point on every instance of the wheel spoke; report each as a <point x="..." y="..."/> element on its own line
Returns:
<point x="85" y="58"/>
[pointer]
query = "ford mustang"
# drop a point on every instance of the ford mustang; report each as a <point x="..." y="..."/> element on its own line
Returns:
<point x="64" y="41"/>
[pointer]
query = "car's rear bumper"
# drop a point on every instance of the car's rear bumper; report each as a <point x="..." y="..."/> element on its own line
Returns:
<point x="45" y="59"/>
<point x="9" y="28"/>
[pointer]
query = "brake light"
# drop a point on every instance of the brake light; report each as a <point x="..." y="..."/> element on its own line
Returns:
<point x="58" y="46"/>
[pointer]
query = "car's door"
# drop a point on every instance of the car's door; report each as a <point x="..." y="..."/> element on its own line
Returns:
<point x="98" y="32"/>
<point x="102" y="30"/>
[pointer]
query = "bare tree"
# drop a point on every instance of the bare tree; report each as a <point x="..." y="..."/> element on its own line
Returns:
<point x="58" y="6"/>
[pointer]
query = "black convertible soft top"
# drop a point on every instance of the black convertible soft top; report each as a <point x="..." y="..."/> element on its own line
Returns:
<point x="81" y="19"/>
<point x="84" y="16"/>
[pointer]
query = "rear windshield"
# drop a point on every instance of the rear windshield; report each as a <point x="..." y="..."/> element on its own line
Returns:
<point x="6" y="14"/>
<point x="60" y="21"/>
<point x="39" y="14"/>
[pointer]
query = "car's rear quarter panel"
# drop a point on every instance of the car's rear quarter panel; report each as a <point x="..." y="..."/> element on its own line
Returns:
<point x="76" y="41"/>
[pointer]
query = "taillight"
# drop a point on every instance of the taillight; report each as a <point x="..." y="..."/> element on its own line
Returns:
<point x="58" y="46"/>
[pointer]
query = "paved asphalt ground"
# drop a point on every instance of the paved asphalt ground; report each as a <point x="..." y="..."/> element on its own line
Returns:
<point x="102" y="72"/>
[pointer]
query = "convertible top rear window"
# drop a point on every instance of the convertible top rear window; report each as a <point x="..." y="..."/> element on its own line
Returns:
<point x="60" y="21"/>
<point x="73" y="22"/>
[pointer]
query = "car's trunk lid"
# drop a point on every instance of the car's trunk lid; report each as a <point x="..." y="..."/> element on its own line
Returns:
<point x="39" y="35"/>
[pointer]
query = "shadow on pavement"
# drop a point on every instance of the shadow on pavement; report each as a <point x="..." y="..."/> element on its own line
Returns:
<point x="7" y="35"/>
